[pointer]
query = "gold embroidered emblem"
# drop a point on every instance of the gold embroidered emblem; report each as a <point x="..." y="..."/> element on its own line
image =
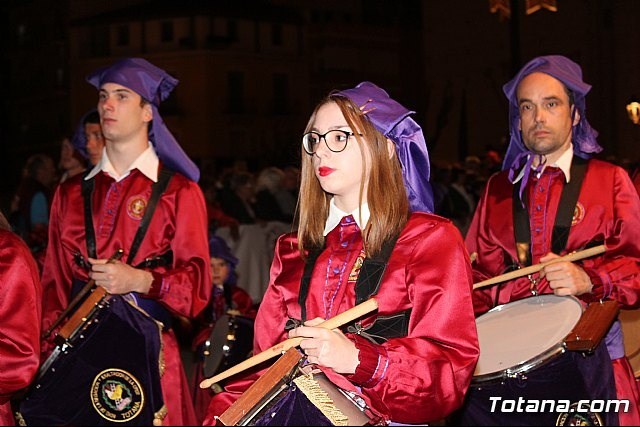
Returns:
<point x="578" y="214"/>
<point x="117" y="395"/>
<point x="355" y="271"/>
<point x="136" y="207"/>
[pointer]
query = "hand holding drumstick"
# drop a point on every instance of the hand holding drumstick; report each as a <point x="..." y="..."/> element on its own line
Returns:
<point x="562" y="274"/>
<point x="332" y="323"/>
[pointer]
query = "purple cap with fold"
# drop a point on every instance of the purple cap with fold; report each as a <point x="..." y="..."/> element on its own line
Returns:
<point x="154" y="85"/>
<point x="393" y="121"/>
<point x="583" y="135"/>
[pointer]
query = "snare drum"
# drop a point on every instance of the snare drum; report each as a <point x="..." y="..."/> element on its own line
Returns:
<point x="108" y="375"/>
<point x="520" y="336"/>
<point x="293" y="393"/>
<point x="230" y="342"/>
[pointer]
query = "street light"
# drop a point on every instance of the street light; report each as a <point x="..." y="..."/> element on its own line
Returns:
<point x="633" y="110"/>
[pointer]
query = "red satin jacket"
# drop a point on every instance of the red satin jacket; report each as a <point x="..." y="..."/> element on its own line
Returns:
<point x="606" y="212"/>
<point x="20" y="310"/>
<point x="417" y="378"/>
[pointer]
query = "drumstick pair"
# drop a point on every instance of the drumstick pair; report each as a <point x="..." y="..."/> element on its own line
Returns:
<point x="371" y="305"/>
<point x="335" y="322"/>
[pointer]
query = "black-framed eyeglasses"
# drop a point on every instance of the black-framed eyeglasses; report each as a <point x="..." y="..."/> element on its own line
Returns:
<point x="336" y="140"/>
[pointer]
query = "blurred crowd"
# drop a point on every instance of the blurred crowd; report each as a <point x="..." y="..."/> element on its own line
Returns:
<point x="239" y="195"/>
<point x="247" y="209"/>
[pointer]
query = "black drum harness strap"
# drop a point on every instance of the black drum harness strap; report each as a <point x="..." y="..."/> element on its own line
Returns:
<point x="367" y="285"/>
<point x="152" y="307"/>
<point x="564" y="216"/>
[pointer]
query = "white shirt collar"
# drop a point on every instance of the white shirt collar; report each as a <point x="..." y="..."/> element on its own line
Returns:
<point x="147" y="163"/>
<point x="336" y="214"/>
<point x="563" y="162"/>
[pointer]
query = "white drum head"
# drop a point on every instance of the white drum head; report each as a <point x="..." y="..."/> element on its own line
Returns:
<point x="520" y="335"/>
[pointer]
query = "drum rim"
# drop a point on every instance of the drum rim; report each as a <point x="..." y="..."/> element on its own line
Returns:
<point x="515" y="371"/>
<point x="213" y="361"/>
<point x="224" y="334"/>
<point x="532" y="363"/>
<point x="522" y="300"/>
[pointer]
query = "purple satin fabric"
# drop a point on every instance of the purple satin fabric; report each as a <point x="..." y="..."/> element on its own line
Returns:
<point x="393" y="121"/>
<point x="570" y="74"/>
<point x="154" y="85"/>
<point x="615" y="341"/>
<point x="414" y="158"/>
<point x="523" y="162"/>
<point x="292" y="409"/>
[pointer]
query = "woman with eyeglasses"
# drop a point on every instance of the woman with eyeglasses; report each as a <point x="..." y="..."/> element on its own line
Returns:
<point x="366" y="231"/>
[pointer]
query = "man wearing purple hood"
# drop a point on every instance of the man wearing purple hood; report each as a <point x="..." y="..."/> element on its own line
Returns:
<point x="366" y="230"/>
<point x="88" y="139"/>
<point x="551" y="199"/>
<point x="141" y="197"/>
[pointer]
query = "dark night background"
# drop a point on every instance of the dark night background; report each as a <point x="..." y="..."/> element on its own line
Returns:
<point x="250" y="71"/>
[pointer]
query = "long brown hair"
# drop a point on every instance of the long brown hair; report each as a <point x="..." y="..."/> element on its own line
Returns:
<point x="386" y="194"/>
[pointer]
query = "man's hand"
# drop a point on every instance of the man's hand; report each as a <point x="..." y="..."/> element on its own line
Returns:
<point x="565" y="277"/>
<point x="117" y="277"/>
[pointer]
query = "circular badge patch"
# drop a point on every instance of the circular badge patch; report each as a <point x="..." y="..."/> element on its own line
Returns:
<point x="578" y="418"/>
<point x="136" y="206"/>
<point x="578" y="214"/>
<point x="117" y="395"/>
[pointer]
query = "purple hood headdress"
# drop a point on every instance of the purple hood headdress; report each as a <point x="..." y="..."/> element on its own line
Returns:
<point x="583" y="135"/>
<point x="79" y="138"/>
<point x="154" y="85"/>
<point x="393" y="121"/>
<point x="218" y="248"/>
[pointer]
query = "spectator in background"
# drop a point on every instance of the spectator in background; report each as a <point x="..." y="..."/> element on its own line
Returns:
<point x="72" y="162"/>
<point x="226" y="298"/>
<point x="238" y="198"/>
<point x="216" y="217"/>
<point x="268" y="187"/>
<point x="31" y="202"/>
<point x="288" y="195"/>
<point x="458" y="204"/>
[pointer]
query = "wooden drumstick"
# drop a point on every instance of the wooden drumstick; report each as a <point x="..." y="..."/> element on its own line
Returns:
<point x="345" y="317"/>
<point x="76" y="300"/>
<point x="574" y="256"/>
